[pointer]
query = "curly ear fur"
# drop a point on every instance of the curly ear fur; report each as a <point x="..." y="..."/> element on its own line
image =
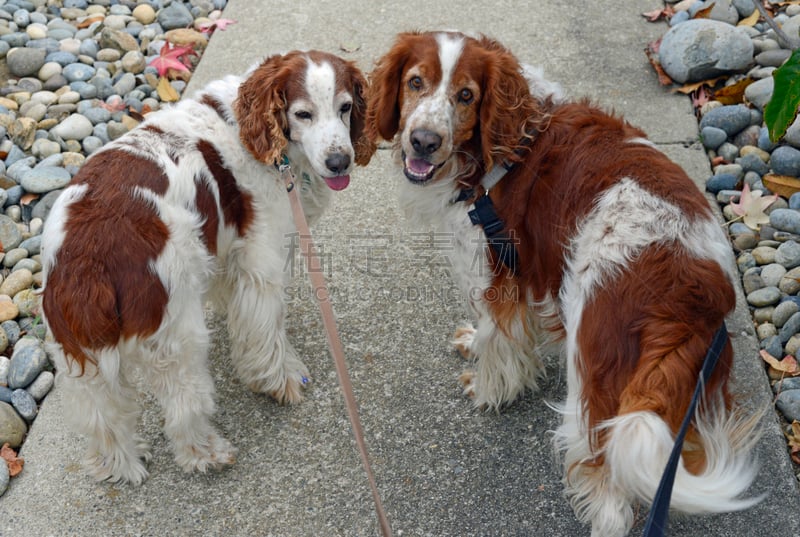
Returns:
<point x="509" y="114"/>
<point x="260" y="110"/>
<point x="363" y="146"/>
<point x="383" y="109"/>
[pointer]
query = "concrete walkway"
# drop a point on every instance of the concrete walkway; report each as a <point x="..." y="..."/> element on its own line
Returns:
<point x="442" y="468"/>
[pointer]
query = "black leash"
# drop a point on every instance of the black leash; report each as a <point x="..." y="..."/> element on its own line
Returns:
<point x="659" y="512"/>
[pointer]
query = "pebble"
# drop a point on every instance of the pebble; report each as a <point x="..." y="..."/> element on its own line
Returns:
<point x="42" y="385"/>
<point x="12" y="427"/>
<point x="788" y="254"/>
<point x="16" y="282"/>
<point x="730" y="119"/>
<point x="713" y="137"/>
<point x="785" y="160"/>
<point x="25" y="61"/>
<point x="75" y="127"/>
<point x="43" y="179"/>
<point x="25" y="405"/>
<point x="27" y="363"/>
<point x="766" y="296"/>
<point x="788" y="402"/>
<point x="701" y="49"/>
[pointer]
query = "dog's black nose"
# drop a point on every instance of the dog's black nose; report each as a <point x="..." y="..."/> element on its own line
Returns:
<point x="425" y="142"/>
<point x="337" y="163"/>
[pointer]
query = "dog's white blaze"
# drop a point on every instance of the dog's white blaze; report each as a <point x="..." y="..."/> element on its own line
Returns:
<point x="328" y="131"/>
<point x="435" y="111"/>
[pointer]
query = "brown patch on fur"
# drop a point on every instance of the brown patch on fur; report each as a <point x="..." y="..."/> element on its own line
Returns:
<point x="102" y="288"/>
<point x="207" y="206"/>
<point x="237" y="206"/>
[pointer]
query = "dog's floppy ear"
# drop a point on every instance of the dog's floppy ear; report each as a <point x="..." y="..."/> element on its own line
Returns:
<point x="260" y="109"/>
<point x="383" y="108"/>
<point x="509" y="114"/>
<point x="363" y="145"/>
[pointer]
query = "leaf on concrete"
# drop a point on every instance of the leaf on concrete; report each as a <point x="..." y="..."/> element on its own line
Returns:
<point x="781" y="109"/>
<point x="651" y="51"/>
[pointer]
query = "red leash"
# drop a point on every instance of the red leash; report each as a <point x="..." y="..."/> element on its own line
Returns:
<point x="329" y="320"/>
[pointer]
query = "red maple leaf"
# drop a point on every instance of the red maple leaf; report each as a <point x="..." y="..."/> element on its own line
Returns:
<point x="172" y="57"/>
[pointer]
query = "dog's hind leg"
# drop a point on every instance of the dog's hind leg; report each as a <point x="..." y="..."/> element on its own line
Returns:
<point x="176" y="369"/>
<point x="102" y="404"/>
<point x="260" y="349"/>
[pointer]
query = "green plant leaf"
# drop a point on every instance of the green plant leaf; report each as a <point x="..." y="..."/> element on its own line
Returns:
<point x="782" y="107"/>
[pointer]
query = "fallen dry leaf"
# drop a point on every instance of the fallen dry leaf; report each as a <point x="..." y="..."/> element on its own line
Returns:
<point x="686" y="89"/>
<point x="793" y="438"/>
<point x="651" y="51"/>
<point x="700" y="97"/>
<point x="166" y="92"/>
<point x="751" y="20"/>
<point x="783" y="185"/>
<point x="658" y="14"/>
<point x="15" y="463"/>
<point x="788" y="365"/>
<point x="733" y="94"/>
<point x="751" y="207"/>
<point x="704" y="13"/>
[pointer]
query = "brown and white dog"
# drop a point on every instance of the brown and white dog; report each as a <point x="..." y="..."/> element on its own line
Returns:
<point x="190" y="206"/>
<point x="617" y="252"/>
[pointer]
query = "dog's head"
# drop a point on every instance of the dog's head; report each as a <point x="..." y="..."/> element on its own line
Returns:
<point x="455" y="100"/>
<point x="313" y="100"/>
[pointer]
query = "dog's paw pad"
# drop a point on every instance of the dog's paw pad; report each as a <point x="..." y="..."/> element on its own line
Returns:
<point x="462" y="341"/>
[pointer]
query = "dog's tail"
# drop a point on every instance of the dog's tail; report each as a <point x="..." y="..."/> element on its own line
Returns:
<point x="639" y="444"/>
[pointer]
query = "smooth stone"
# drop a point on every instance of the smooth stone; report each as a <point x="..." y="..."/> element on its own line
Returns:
<point x="790" y="328"/>
<point x="785" y="160"/>
<point x="27" y="362"/>
<point x="118" y="39"/>
<point x="44" y="179"/>
<point x="713" y="137"/>
<point x="14" y="256"/>
<point x="144" y="13"/>
<point x="764" y="255"/>
<point x="788" y="254"/>
<point x="701" y="49"/>
<point x="752" y="281"/>
<point x="766" y="330"/>
<point x="788" y="402"/>
<point x="790" y="283"/>
<point x="753" y="163"/>
<point x="728" y="151"/>
<point x="783" y="312"/>
<point x="34" y="266"/>
<point x="5" y="393"/>
<point x="731" y="119"/>
<point x="74" y="127"/>
<point x="766" y="296"/>
<point x="773" y="58"/>
<point x="61" y="58"/>
<point x="785" y="220"/>
<point x="42" y="208"/>
<point x="10" y="235"/>
<point x="42" y="385"/>
<point x="44" y="148"/>
<point x="773" y="346"/>
<point x="722" y="181"/>
<point x="772" y="274"/>
<point x="24" y="404"/>
<point x="174" y="15"/>
<point x="25" y="61"/>
<point x="108" y="55"/>
<point x="16" y="282"/>
<point x="78" y="72"/>
<point x="12" y="427"/>
<point x="27" y="300"/>
<point x="785" y="384"/>
<point x="748" y="135"/>
<point x="134" y="62"/>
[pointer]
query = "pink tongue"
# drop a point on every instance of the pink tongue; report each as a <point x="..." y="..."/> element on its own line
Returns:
<point x="419" y="166"/>
<point x="338" y="182"/>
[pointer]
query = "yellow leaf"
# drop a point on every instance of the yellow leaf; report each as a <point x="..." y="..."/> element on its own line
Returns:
<point x="733" y="94"/>
<point x="751" y="20"/>
<point x="166" y="92"/>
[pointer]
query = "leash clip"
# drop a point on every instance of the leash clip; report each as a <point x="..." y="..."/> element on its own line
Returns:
<point x="285" y="170"/>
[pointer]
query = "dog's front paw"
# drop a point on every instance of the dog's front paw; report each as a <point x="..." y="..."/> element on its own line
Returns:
<point x="214" y="453"/>
<point x="119" y="466"/>
<point x="467" y="380"/>
<point x="462" y="341"/>
<point x="291" y="391"/>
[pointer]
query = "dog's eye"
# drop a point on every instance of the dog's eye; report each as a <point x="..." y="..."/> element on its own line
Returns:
<point x="465" y="96"/>
<point x="302" y="114"/>
<point x="415" y="83"/>
<point x="346" y="107"/>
